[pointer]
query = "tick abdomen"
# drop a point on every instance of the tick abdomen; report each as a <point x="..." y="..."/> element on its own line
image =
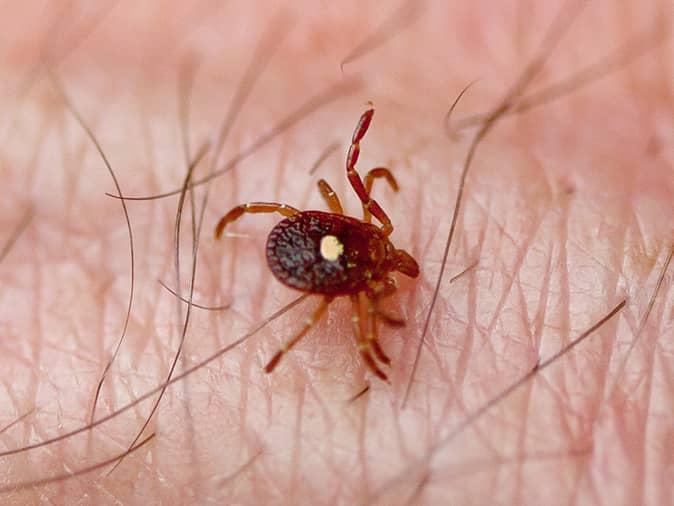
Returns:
<point x="326" y="253"/>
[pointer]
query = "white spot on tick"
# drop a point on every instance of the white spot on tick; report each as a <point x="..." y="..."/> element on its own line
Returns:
<point x="331" y="248"/>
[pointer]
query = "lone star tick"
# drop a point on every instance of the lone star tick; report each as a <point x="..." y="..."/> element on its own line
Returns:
<point x="331" y="255"/>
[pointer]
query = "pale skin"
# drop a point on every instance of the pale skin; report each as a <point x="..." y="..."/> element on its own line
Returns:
<point x="567" y="210"/>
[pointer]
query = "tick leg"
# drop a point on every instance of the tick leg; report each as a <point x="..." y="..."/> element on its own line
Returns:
<point x="330" y="197"/>
<point x="252" y="207"/>
<point x="378" y="172"/>
<point x="373" y="332"/>
<point x="363" y="345"/>
<point x="307" y="325"/>
<point x="390" y="320"/>
<point x="369" y="205"/>
<point x="380" y="289"/>
<point x="373" y="174"/>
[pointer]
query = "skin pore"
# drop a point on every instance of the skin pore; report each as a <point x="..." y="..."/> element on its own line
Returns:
<point x="567" y="211"/>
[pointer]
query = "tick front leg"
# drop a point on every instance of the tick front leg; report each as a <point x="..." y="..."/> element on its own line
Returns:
<point x="369" y="205"/>
<point x="376" y="173"/>
<point x="253" y="207"/>
<point x="307" y="325"/>
<point x="330" y="197"/>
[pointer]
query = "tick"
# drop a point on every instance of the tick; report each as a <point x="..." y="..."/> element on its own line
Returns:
<point x="332" y="255"/>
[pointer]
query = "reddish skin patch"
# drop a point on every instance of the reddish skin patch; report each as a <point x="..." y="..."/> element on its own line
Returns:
<point x="361" y="269"/>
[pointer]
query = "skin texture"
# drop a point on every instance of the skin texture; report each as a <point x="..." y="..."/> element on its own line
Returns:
<point x="568" y="209"/>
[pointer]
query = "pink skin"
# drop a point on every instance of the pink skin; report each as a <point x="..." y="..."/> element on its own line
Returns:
<point x="568" y="209"/>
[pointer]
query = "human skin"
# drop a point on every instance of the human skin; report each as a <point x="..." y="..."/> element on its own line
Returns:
<point x="567" y="211"/>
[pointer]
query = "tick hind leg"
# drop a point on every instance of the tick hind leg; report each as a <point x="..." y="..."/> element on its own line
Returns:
<point x="360" y="329"/>
<point x="310" y="322"/>
<point x="376" y="173"/>
<point x="369" y="205"/>
<point x="330" y="197"/>
<point x="252" y="207"/>
<point x="372" y="335"/>
<point x="390" y="320"/>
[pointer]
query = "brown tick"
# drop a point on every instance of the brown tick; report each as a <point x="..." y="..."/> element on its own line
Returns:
<point x="330" y="254"/>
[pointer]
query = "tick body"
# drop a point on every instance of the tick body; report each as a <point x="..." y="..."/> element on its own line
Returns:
<point x="331" y="255"/>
